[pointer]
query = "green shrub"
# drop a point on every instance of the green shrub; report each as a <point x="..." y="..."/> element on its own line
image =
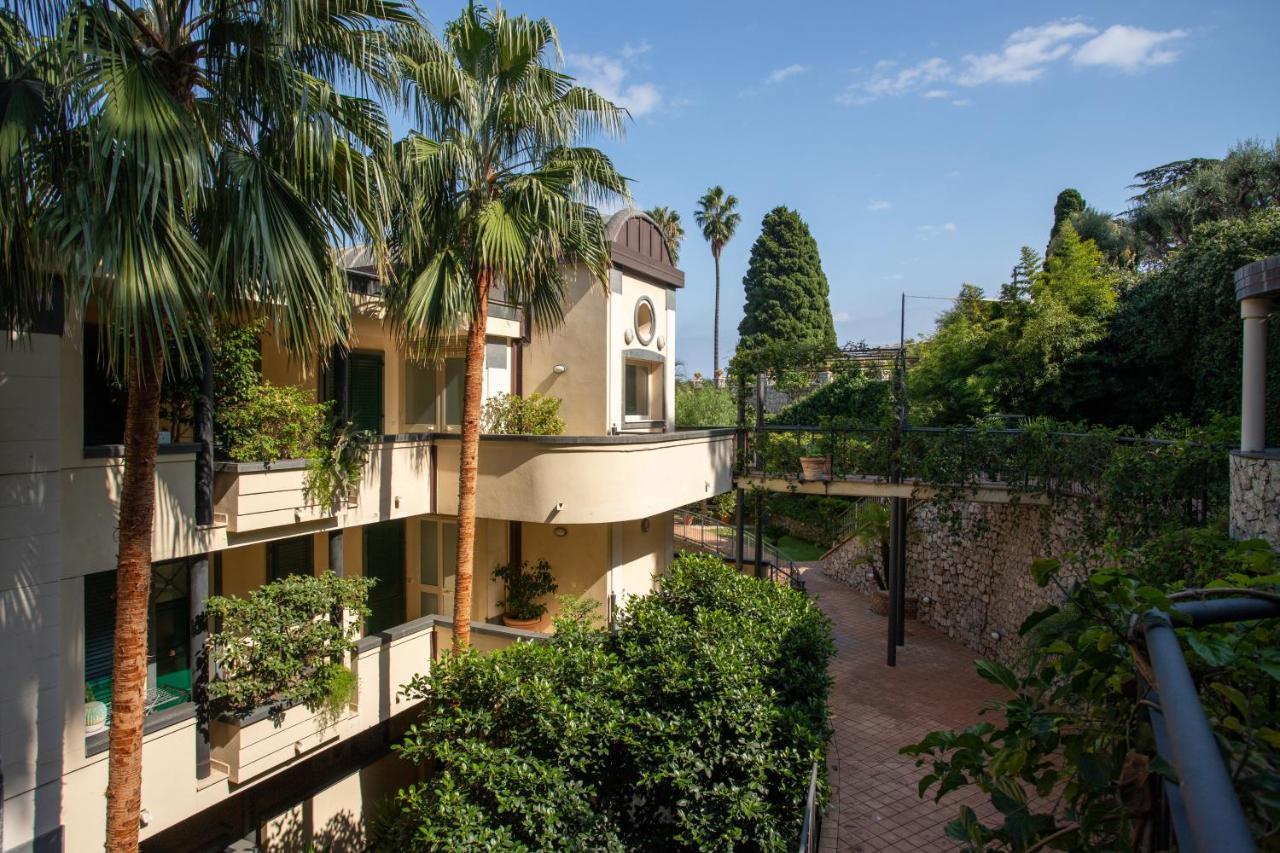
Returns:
<point x="704" y="405"/>
<point x="507" y="414"/>
<point x="281" y="646"/>
<point x="693" y="726"/>
<point x="271" y="422"/>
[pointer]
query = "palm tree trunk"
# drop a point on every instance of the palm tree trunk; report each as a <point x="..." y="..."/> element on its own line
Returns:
<point x="715" y="339"/>
<point x="133" y="591"/>
<point x="468" y="464"/>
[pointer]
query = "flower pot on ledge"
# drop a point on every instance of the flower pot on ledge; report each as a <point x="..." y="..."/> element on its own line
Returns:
<point x="880" y="604"/>
<point x="815" y="467"/>
<point x="527" y="624"/>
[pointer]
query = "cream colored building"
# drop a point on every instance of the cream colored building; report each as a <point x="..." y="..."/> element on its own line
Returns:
<point x="596" y="503"/>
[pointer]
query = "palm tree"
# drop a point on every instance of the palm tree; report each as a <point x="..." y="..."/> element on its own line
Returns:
<point x="181" y="163"/>
<point x="717" y="217"/>
<point x="497" y="193"/>
<point x="668" y="219"/>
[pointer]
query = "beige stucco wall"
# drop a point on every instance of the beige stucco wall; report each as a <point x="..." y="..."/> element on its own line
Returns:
<point x="579" y="344"/>
<point x="583" y="483"/>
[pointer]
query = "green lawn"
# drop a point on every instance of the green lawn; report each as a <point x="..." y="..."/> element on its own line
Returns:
<point x="798" y="550"/>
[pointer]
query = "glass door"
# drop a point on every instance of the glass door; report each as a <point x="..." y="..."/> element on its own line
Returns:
<point x="437" y="566"/>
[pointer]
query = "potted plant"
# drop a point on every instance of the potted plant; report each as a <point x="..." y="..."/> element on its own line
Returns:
<point x="524" y="586"/>
<point x="871" y="528"/>
<point x="95" y="712"/>
<point x="812" y="465"/>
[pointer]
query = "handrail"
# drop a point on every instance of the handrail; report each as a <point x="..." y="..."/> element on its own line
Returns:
<point x="1202" y="803"/>
<point x="810" y="828"/>
<point x="727" y="548"/>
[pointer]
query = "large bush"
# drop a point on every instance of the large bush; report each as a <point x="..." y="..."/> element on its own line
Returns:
<point x="508" y="414"/>
<point x="693" y="726"/>
<point x="272" y="422"/>
<point x="705" y="405"/>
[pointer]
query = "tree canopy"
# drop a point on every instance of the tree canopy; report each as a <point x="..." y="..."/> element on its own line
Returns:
<point x="787" y="296"/>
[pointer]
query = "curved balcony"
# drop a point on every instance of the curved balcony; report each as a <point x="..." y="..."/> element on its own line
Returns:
<point x="566" y="479"/>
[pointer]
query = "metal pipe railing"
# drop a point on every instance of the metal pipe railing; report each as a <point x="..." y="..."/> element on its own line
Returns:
<point x="1203" y="805"/>
<point x="811" y="826"/>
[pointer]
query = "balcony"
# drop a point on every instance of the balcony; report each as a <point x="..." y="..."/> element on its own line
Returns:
<point x="254" y="496"/>
<point x="589" y="479"/>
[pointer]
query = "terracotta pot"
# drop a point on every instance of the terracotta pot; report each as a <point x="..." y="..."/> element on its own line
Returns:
<point x="815" y="467"/>
<point x="880" y="604"/>
<point x="527" y="624"/>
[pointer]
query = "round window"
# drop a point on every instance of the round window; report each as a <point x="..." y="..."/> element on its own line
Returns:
<point x="646" y="322"/>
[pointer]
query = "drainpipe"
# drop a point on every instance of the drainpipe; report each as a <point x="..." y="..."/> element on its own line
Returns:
<point x="1253" y="391"/>
<point x="198" y="655"/>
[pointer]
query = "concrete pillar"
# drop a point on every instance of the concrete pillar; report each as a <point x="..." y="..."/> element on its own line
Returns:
<point x="1253" y="391"/>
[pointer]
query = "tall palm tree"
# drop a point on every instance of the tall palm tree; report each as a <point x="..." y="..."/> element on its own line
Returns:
<point x="182" y="163"/>
<point x="718" y="218"/>
<point x="668" y="219"/>
<point x="496" y="193"/>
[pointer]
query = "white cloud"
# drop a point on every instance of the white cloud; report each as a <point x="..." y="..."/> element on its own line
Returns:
<point x="878" y="204"/>
<point x="630" y="51"/>
<point x="1026" y="52"/>
<point x="841" y="317"/>
<point x="777" y="75"/>
<point x="928" y="232"/>
<point x="1128" y="48"/>
<point x="887" y="80"/>
<point x="608" y="75"/>
<point x="1024" y="58"/>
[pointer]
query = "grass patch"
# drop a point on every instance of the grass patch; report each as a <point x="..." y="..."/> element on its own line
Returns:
<point x="799" y="550"/>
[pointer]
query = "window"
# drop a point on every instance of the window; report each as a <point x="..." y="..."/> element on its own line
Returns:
<point x="637" y="391"/>
<point x="364" y="390"/>
<point x="645" y="321"/>
<point x="437" y="566"/>
<point x="435" y="390"/>
<point x="168" y="635"/>
<point x="287" y="557"/>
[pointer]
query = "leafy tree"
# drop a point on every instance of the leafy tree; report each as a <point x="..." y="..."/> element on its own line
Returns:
<point x="704" y="405"/>
<point x="718" y="218"/>
<point x="499" y="191"/>
<point x="1068" y="203"/>
<point x="173" y="164"/>
<point x="787" y="297"/>
<point x="853" y="398"/>
<point x="691" y="727"/>
<point x="668" y="219"/>
<point x="1112" y="235"/>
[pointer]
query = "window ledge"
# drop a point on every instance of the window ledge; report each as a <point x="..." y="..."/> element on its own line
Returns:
<point x="98" y="742"/>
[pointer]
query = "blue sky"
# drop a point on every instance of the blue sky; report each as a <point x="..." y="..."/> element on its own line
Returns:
<point x="923" y="142"/>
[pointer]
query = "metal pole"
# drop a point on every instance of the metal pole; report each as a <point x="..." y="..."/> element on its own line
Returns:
<point x="891" y="581"/>
<point x="204" y="438"/>
<point x="1213" y="811"/>
<point x="901" y="530"/>
<point x="740" y="533"/>
<point x="759" y="498"/>
<point x="198" y="654"/>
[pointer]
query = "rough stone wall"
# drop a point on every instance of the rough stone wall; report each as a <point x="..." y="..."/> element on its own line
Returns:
<point x="974" y="580"/>
<point x="1255" y="496"/>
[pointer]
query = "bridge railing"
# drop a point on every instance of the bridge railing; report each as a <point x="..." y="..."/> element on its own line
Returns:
<point x="1190" y="474"/>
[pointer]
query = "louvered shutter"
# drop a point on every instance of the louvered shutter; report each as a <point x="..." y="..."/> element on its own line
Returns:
<point x="365" y="391"/>
<point x="384" y="560"/>
<point x="289" y="557"/>
<point x="99" y="632"/>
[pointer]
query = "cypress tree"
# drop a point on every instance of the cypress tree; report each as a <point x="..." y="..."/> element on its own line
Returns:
<point x="787" y="297"/>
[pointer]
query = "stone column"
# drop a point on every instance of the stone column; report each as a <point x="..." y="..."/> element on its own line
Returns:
<point x="1253" y="396"/>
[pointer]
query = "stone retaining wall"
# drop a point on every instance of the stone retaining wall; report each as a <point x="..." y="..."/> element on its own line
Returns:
<point x="1255" y="495"/>
<point x="974" y="583"/>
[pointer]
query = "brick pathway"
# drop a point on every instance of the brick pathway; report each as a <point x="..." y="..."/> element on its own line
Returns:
<point x="877" y="710"/>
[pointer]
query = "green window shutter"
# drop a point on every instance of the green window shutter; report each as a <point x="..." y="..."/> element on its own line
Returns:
<point x="289" y="557"/>
<point x="99" y="632"/>
<point x="365" y="391"/>
<point x="384" y="561"/>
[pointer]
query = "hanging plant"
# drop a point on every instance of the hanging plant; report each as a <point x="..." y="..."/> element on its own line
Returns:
<point x="335" y="469"/>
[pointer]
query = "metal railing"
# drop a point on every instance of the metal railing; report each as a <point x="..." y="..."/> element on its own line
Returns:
<point x="1021" y="459"/>
<point x="811" y="826"/>
<point x="711" y="535"/>
<point x="1199" y="807"/>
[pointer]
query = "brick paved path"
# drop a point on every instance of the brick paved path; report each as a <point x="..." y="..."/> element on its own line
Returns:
<point x="877" y="710"/>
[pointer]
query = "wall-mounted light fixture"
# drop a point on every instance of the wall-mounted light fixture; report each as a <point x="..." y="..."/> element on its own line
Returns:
<point x="644" y="525"/>
<point x="561" y="531"/>
<point x="995" y="635"/>
<point x="559" y="368"/>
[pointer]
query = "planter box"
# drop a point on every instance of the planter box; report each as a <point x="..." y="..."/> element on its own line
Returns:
<point x="256" y="744"/>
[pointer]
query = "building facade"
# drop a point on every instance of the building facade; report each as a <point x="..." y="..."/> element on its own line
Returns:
<point x="594" y="502"/>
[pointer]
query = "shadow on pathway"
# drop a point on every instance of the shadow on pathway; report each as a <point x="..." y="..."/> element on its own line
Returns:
<point x="876" y="710"/>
